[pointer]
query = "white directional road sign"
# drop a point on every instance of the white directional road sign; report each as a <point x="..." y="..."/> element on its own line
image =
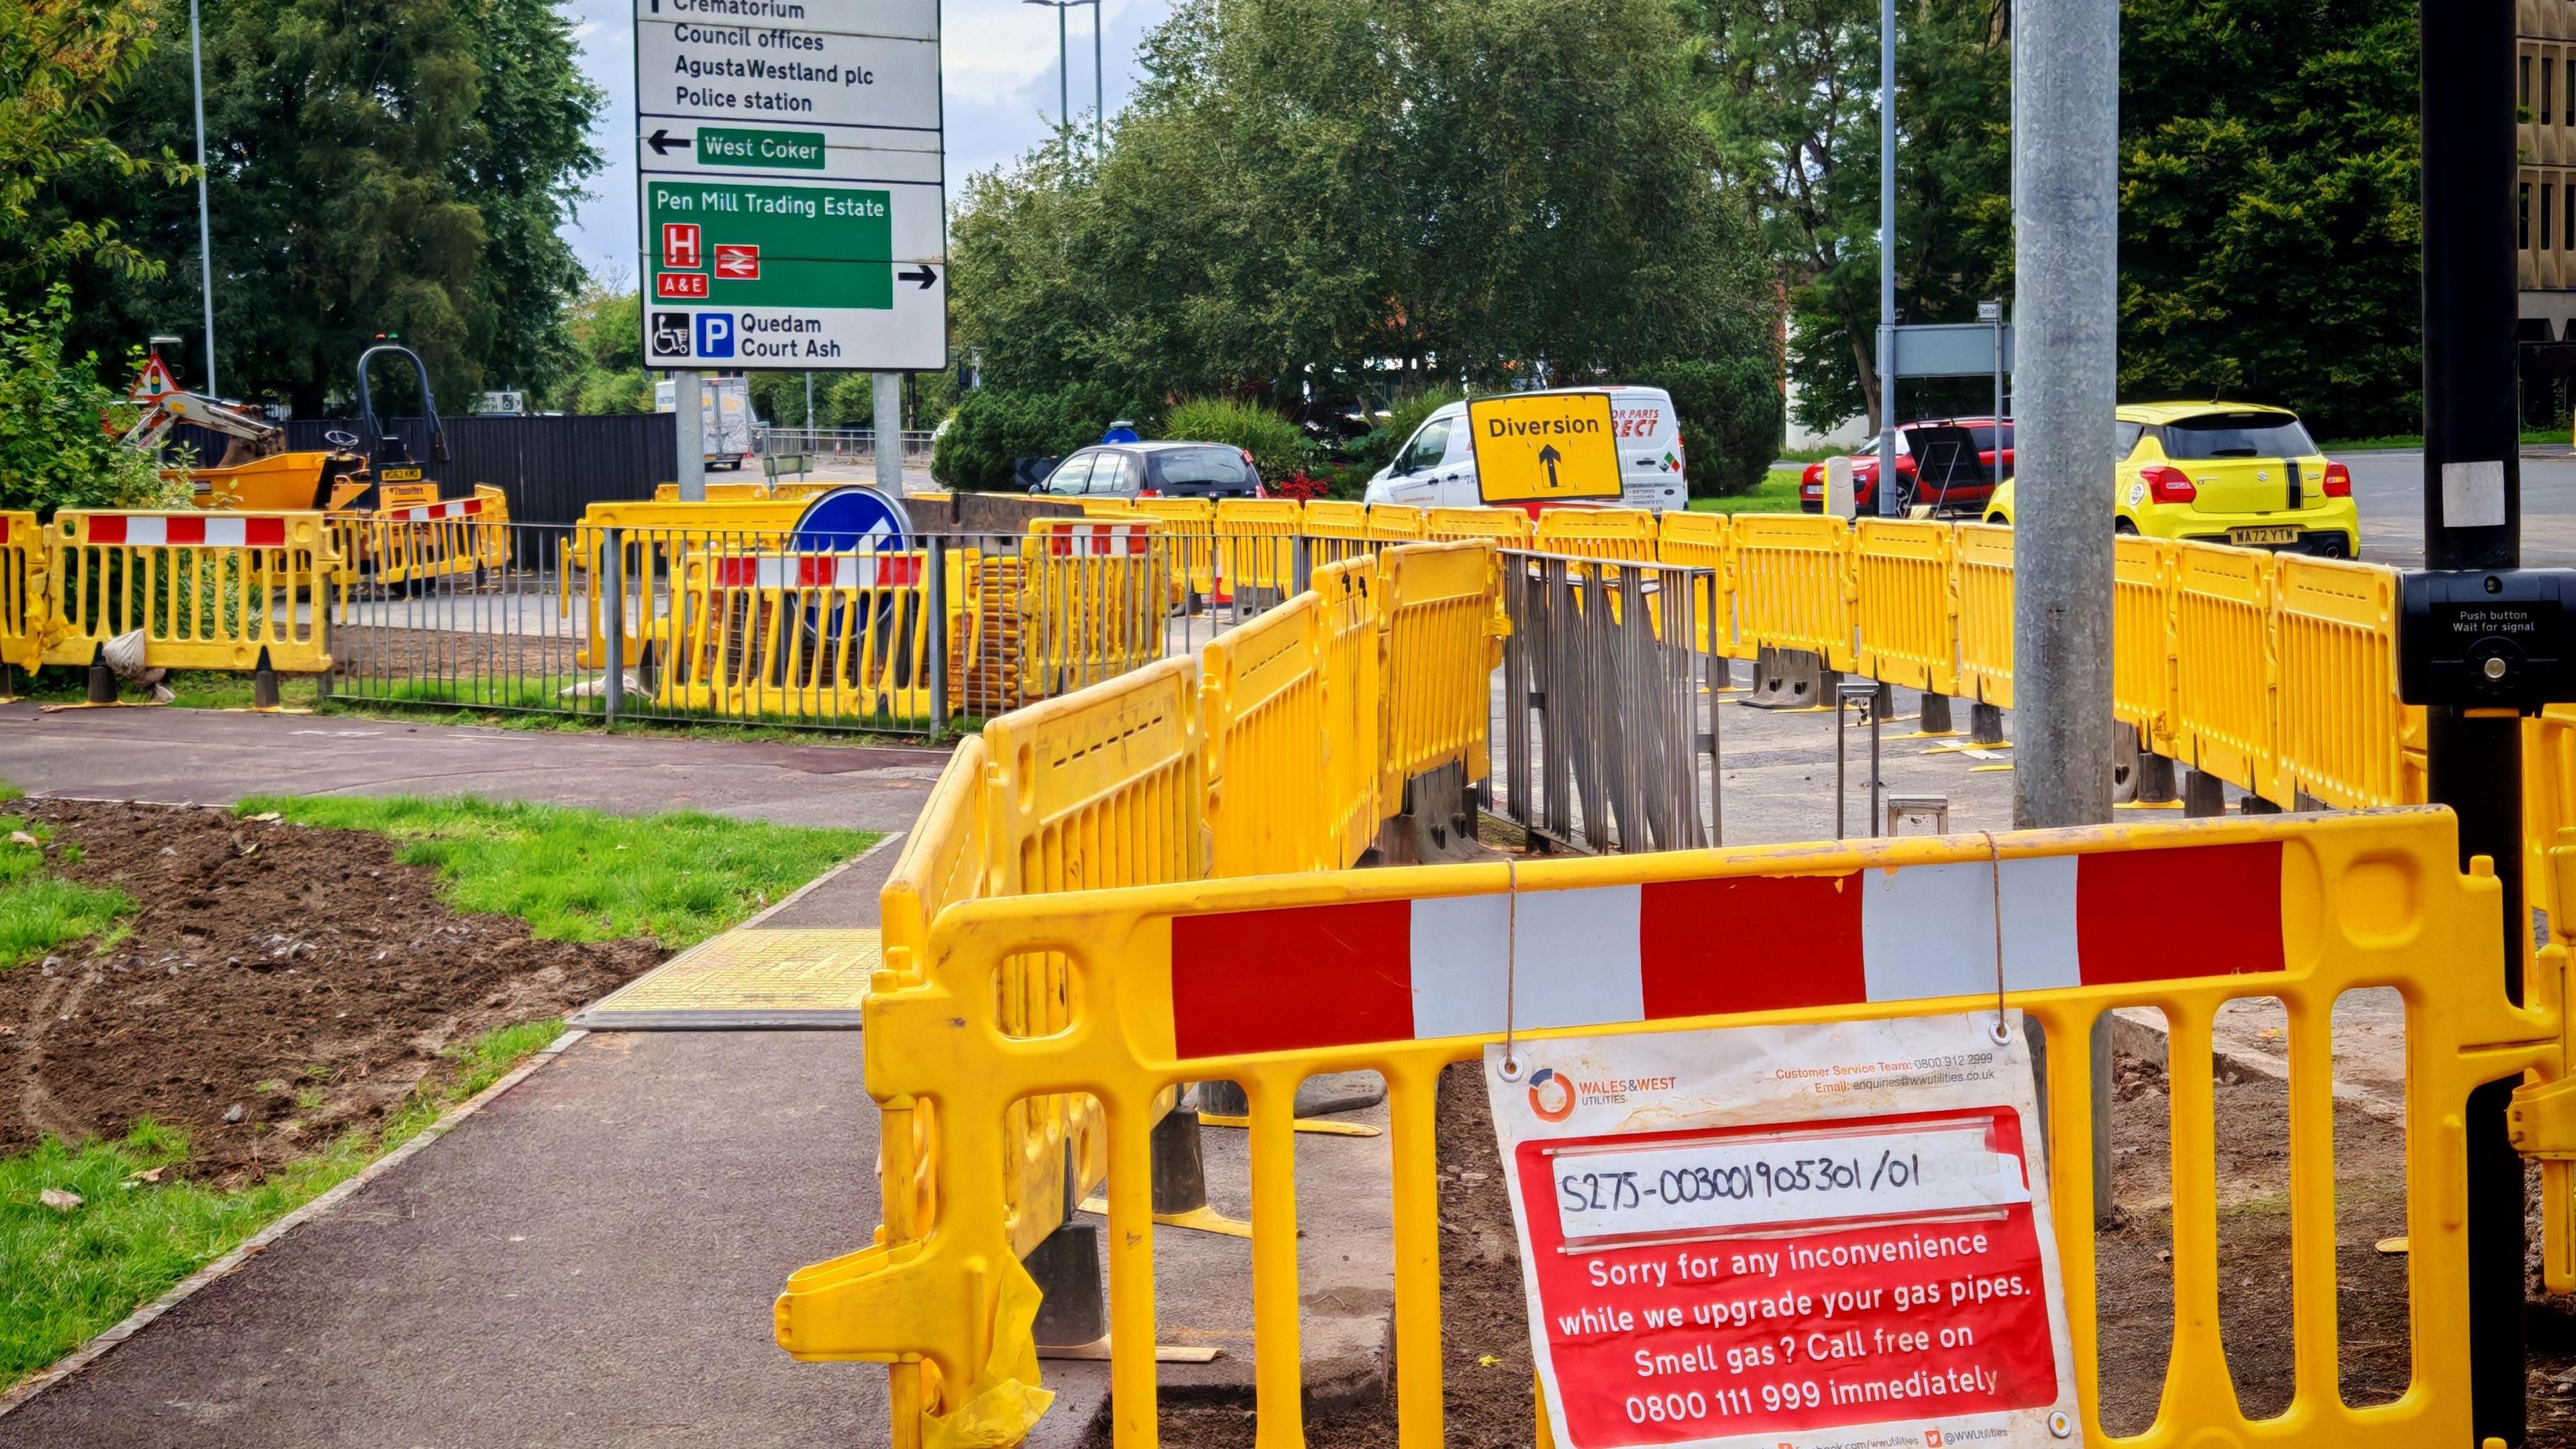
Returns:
<point x="792" y="184"/>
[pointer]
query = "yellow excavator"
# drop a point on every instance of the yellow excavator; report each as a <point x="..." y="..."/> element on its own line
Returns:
<point x="259" y="473"/>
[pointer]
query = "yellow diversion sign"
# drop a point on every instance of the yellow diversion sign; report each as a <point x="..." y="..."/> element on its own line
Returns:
<point x="1544" y="446"/>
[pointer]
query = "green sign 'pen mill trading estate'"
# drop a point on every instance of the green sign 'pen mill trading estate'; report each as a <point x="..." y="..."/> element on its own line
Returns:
<point x="792" y="177"/>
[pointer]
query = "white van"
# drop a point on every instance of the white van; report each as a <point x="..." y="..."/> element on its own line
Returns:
<point x="1436" y="467"/>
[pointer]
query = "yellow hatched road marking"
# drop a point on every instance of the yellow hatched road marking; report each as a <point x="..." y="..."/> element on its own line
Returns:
<point x="748" y="978"/>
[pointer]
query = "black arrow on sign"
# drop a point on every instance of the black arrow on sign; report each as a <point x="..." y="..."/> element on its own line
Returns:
<point x="1549" y="455"/>
<point x="662" y="140"/>
<point x="922" y="274"/>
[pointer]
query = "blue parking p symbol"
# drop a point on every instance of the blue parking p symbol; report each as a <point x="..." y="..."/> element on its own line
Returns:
<point x="715" y="334"/>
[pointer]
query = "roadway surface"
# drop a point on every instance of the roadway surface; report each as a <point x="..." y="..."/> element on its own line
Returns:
<point x="2390" y="489"/>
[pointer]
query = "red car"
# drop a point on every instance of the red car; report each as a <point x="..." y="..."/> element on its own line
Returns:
<point x="1948" y="463"/>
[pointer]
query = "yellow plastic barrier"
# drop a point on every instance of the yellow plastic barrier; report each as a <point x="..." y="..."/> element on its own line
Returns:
<point x="757" y="633"/>
<point x="1354" y="702"/>
<point x="1394" y="523"/>
<point x="1699" y="541"/>
<point x="1985" y="563"/>
<point x="1793" y="583"/>
<point x="209" y="590"/>
<point x="2334" y="903"/>
<point x="1189" y="536"/>
<point x="1096" y="594"/>
<point x="1507" y="527"/>
<point x="23" y="573"/>
<point x="1333" y="518"/>
<point x="659" y="539"/>
<point x="747" y="492"/>
<point x="2223" y="601"/>
<point x="1624" y="534"/>
<point x="1904" y="610"/>
<point x="1256" y="541"/>
<point x="414" y="539"/>
<point x="2142" y="604"/>
<point x="1261" y="704"/>
<point x="2340" y="728"/>
<point x="1108" y="508"/>
<point x="1440" y="621"/>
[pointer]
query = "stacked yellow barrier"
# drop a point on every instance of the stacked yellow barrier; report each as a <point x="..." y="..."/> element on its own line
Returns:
<point x="1985" y="564"/>
<point x="744" y="492"/>
<point x="1905" y="613"/>
<point x="414" y="539"/>
<point x="2338" y="725"/>
<point x="1336" y="530"/>
<point x="2223" y="600"/>
<point x="1793" y="583"/>
<point x="209" y="590"/>
<point x="658" y="538"/>
<point x="2142" y="600"/>
<point x="1262" y="704"/>
<point x="1394" y="523"/>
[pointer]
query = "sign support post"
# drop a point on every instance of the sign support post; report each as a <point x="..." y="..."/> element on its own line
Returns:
<point x="688" y="415"/>
<point x="886" y="390"/>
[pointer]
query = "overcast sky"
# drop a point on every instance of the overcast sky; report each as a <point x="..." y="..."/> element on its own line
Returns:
<point x="999" y="72"/>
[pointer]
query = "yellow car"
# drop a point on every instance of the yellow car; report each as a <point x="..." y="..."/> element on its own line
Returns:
<point x="2221" y="472"/>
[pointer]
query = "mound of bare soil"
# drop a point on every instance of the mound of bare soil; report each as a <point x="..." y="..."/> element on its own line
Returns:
<point x="279" y="984"/>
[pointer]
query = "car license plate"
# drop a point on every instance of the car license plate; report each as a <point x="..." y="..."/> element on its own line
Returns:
<point x="2245" y="536"/>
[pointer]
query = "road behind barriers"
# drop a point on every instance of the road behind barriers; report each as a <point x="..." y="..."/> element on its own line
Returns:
<point x="590" y="1259"/>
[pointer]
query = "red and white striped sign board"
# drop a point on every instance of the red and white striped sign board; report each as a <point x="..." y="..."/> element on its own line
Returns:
<point x="1097" y="540"/>
<point x="1304" y="977"/>
<point x="457" y="508"/>
<point x="187" y="530"/>
<point x="819" y="571"/>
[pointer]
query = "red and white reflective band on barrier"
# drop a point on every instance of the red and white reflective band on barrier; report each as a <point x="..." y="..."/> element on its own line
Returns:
<point x="819" y="571"/>
<point x="1604" y="955"/>
<point x="194" y="530"/>
<point x="1098" y="540"/>
<point x="459" y="508"/>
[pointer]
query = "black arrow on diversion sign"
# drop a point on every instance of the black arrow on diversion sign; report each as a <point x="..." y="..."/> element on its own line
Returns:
<point x="922" y="274"/>
<point x="662" y="141"/>
<point x="1549" y="455"/>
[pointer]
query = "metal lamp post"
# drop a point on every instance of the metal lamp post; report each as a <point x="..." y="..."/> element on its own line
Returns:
<point x="1063" y="67"/>
<point x="205" y="235"/>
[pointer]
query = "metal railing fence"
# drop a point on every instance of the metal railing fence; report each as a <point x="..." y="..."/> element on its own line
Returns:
<point x="1608" y="740"/>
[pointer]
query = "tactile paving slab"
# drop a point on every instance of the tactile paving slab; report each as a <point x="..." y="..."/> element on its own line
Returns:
<point x="747" y="980"/>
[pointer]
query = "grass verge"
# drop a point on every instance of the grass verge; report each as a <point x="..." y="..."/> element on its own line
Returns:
<point x="585" y="875"/>
<point x="1777" y="493"/>
<point x="2398" y="441"/>
<point x="68" y="1273"/>
<point x="40" y="910"/>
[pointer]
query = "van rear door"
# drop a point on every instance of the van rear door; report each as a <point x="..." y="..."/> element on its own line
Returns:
<point x="1650" y="449"/>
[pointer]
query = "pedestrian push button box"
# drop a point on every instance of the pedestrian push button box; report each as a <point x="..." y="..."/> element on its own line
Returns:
<point x="2487" y="638"/>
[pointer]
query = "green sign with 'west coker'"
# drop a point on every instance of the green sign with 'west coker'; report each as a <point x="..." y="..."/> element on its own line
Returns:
<point x="786" y="150"/>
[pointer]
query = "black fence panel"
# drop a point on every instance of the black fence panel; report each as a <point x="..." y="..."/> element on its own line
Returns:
<point x="550" y="467"/>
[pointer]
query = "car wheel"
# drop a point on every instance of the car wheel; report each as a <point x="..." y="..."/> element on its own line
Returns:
<point x="1999" y="520"/>
<point x="2124" y="526"/>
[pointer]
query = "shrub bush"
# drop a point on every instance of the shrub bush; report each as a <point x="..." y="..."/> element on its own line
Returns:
<point x="992" y="426"/>
<point x="1732" y="416"/>
<point x="53" y="453"/>
<point x="1278" y="447"/>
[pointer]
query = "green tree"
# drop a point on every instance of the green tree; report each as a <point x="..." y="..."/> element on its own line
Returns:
<point x="1789" y="95"/>
<point x="1305" y="190"/>
<point x="2269" y="233"/>
<point x="396" y="166"/>
<point x="62" y="63"/>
